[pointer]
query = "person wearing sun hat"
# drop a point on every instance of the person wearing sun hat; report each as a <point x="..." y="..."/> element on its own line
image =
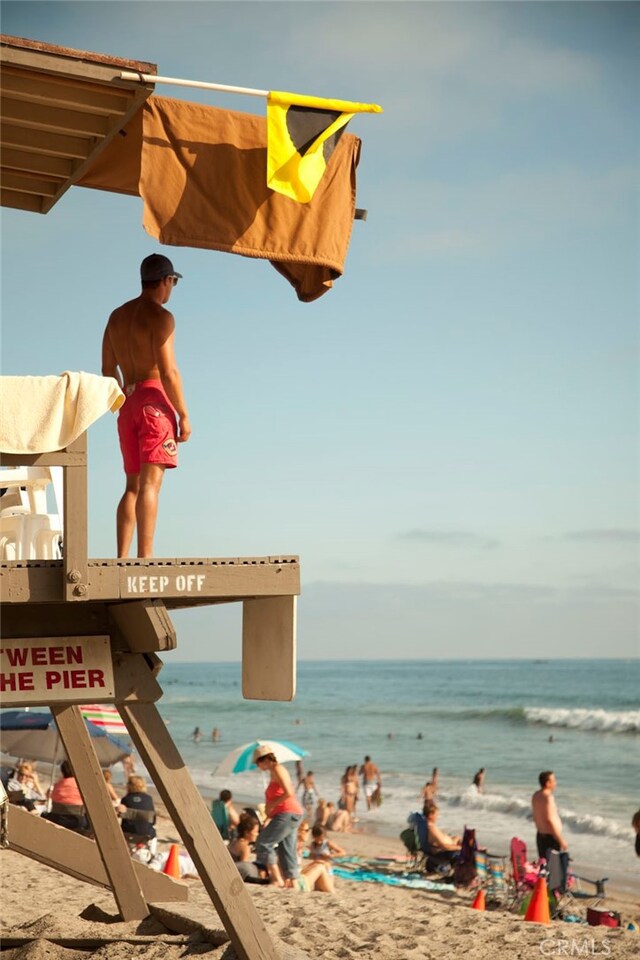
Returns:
<point x="277" y="841"/>
<point x="138" y="352"/>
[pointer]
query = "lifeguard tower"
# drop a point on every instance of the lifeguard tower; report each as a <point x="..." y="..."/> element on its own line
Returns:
<point x="78" y="628"/>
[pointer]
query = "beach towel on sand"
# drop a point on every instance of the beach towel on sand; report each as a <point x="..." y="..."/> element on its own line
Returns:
<point x="41" y="414"/>
<point x="393" y="880"/>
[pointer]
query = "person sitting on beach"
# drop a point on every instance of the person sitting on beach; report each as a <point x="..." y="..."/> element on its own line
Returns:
<point x="327" y="816"/>
<point x="339" y="821"/>
<point x="442" y="847"/>
<point x="24" y="787"/>
<point x="315" y="874"/>
<point x="225" y="815"/>
<point x="67" y="804"/>
<point x="323" y="811"/>
<point x="113" y="796"/>
<point x="321" y="848"/>
<point x="138" y="813"/>
<point x="242" y="849"/>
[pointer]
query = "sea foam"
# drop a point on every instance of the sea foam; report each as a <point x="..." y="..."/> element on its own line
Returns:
<point x="606" y="721"/>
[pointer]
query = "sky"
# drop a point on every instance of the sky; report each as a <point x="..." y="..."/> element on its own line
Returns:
<point x="449" y="439"/>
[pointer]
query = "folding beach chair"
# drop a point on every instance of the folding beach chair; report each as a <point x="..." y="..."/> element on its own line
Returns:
<point x="523" y="874"/>
<point x="220" y="816"/>
<point x="417" y="859"/>
<point x="27" y="530"/>
<point x="497" y="886"/>
<point x="426" y="859"/>
<point x="567" y="888"/>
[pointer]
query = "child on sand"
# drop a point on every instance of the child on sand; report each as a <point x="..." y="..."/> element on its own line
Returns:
<point x="321" y="848"/>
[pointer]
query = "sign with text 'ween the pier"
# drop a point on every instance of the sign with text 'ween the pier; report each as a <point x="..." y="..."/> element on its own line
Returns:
<point x="41" y="670"/>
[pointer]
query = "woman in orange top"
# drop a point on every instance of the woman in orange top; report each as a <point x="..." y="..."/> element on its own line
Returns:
<point x="66" y="793"/>
<point x="284" y="814"/>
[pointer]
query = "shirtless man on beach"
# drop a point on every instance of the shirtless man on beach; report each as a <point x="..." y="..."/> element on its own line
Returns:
<point x="371" y="779"/>
<point x="138" y="351"/>
<point x="546" y="816"/>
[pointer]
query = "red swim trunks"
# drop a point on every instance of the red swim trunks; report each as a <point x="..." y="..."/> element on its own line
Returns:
<point x="147" y="427"/>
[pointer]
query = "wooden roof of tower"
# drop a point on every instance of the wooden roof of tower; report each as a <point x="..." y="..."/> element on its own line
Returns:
<point x="59" y="109"/>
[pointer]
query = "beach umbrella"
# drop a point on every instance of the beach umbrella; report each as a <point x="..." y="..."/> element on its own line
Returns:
<point x="241" y="759"/>
<point x="106" y="717"/>
<point x="34" y="736"/>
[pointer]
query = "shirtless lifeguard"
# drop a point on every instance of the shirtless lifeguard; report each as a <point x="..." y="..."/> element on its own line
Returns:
<point x="138" y="351"/>
<point x="546" y="816"/>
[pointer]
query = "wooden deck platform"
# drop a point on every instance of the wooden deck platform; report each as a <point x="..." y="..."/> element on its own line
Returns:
<point x="180" y="582"/>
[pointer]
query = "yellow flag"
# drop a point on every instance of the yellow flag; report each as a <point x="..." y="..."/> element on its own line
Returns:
<point x="302" y="133"/>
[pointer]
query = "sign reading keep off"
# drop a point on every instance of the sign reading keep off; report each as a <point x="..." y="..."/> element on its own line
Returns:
<point x="45" y="670"/>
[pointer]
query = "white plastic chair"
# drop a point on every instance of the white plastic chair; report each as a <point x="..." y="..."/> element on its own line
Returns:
<point x="27" y="530"/>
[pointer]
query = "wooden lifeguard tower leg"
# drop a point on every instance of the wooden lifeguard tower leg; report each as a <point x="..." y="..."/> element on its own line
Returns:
<point x="198" y="831"/>
<point x="109" y="837"/>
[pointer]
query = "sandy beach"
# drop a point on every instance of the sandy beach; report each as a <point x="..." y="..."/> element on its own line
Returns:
<point x="60" y="918"/>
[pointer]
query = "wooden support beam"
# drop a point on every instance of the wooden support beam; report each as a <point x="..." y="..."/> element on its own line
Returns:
<point x="269" y="648"/>
<point x="199" y="834"/>
<point x="26" y="183"/>
<point x="112" y="845"/>
<point x="79" y="857"/>
<point x="72" y="456"/>
<point x="63" y="92"/>
<point x="76" y="585"/>
<point x="145" y="624"/>
<point x="37" y="163"/>
<point x="56" y="119"/>
<point x="47" y="144"/>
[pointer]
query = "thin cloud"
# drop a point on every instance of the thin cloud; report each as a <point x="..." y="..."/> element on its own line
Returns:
<point x="449" y="538"/>
<point x="603" y="536"/>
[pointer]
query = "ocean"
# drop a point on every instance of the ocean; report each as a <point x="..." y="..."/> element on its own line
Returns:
<point x="579" y="718"/>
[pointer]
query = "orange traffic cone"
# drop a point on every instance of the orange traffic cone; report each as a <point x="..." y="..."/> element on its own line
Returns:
<point x="538" y="909"/>
<point x="480" y="902"/>
<point x="172" y="866"/>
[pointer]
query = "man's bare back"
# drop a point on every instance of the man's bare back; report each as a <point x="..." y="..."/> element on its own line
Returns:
<point x="139" y="345"/>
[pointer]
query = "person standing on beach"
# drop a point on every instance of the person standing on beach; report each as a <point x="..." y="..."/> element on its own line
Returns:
<point x="284" y="814"/>
<point x="546" y="816"/>
<point x="371" y="779"/>
<point x="138" y="351"/>
<point x="309" y="793"/>
<point x="430" y="789"/>
<point x="478" y="780"/>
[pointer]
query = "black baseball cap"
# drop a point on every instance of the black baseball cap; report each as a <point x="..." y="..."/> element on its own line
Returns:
<point x="156" y="267"/>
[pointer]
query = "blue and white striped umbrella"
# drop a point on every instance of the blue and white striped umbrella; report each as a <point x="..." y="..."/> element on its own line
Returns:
<point x="241" y="759"/>
<point x="33" y="735"/>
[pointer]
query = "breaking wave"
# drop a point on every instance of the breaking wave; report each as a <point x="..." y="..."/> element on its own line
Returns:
<point x="513" y="806"/>
<point x="605" y="721"/>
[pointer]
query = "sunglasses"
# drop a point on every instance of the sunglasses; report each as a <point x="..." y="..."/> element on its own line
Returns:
<point x="173" y="279"/>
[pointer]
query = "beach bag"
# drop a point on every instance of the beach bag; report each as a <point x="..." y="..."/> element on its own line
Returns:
<point x="599" y="917"/>
<point x="408" y="837"/>
<point x="464" y="870"/>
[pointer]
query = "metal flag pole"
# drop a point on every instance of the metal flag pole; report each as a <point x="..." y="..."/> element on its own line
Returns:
<point x="152" y="78"/>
